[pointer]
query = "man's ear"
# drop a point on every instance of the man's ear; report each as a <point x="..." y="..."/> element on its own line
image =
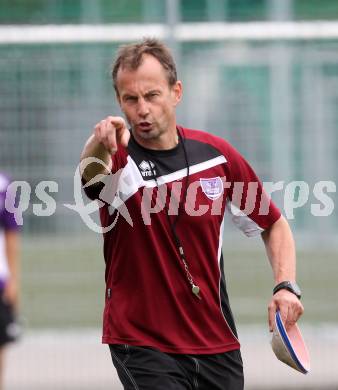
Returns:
<point x="178" y="91"/>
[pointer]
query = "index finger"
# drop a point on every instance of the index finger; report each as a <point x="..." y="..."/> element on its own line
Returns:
<point x="117" y="121"/>
<point x="122" y="132"/>
<point x="284" y="313"/>
<point x="272" y="314"/>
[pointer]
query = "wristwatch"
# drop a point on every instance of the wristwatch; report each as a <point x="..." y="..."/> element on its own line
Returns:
<point x="290" y="286"/>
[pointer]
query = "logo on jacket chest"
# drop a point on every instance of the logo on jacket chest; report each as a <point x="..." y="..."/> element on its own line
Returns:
<point x="212" y="187"/>
<point x="147" y="168"/>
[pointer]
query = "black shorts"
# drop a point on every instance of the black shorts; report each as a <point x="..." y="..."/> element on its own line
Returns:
<point x="144" y="368"/>
<point x="9" y="328"/>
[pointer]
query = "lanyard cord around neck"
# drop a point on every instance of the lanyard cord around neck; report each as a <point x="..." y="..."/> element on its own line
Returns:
<point x="194" y="288"/>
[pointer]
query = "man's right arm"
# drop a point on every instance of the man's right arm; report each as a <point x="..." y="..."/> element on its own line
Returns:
<point x="102" y="144"/>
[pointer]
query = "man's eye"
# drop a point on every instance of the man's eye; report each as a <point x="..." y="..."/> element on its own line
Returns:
<point x="131" y="99"/>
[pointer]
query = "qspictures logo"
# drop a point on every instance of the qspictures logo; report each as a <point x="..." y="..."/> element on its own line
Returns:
<point x="116" y="188"/>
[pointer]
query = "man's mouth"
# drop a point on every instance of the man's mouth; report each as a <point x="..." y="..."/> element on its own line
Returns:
<point x="145" y="125"/>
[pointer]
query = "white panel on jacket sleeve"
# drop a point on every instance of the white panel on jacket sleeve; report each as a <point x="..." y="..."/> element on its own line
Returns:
<point x="4" y="271"/>
<point x="249" y="227"/>
<point x="3" y="183"/>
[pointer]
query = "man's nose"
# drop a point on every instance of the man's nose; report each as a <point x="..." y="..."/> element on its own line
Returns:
<point x="143" y="108"/>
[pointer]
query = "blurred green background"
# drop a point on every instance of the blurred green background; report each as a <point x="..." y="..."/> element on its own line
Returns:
<point x="146" y="11"/>
<point x="63" y="287"/>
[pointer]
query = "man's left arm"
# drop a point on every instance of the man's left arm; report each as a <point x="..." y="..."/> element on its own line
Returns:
<point x="12" y="244"/>
<point x="281" y="252"/>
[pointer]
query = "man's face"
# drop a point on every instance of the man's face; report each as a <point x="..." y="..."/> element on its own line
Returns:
<point x="148" y="101"/>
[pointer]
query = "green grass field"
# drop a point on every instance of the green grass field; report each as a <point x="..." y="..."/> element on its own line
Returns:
<point x="63" y="283"/>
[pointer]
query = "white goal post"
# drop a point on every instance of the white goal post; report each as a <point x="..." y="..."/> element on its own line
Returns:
<point x="184" y="32"/>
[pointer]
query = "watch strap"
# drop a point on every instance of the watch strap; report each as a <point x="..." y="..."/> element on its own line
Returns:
<point x="290" y="286"/>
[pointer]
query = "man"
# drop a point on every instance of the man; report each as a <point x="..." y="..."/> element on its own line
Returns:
<point x="167" y="318"/>
<point x="9" y="270"/>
